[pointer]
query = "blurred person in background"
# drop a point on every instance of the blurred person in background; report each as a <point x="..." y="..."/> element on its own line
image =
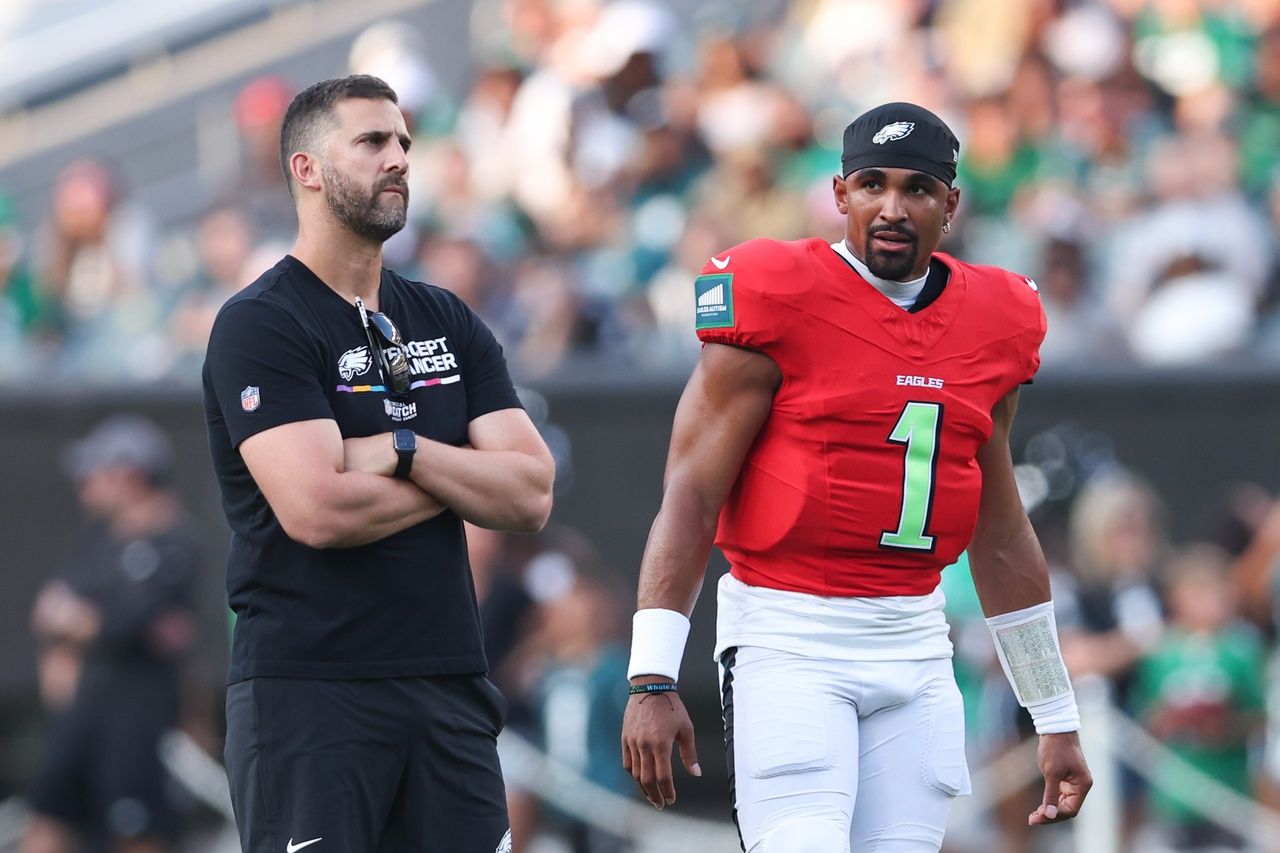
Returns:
<point x="999" y="161"/>
<point x="1267" y="343"/>
<point x="735" y="101"/>
<point x="1197" y="210"/>
<point x="580" y="638"/>
<point x="670" y="300"/>
<point x="29" y="321"/>
<point x="1200" y="691"/>
<point x="259" y="188"/>
<point x="93" y="257"/>
<point x="113" y="627"/>
<point x="546" y="318"/>
<point x="93" y="249"/>
<point x="1195" y="313"/>
<point x="1260" y="116"/>
<point x="623" y="51"/>
<point x="833" y="646"/>
<point x="462" y="265"/>
<point x="1111" y="610"/>
<point x="224" y="244"/>
<point x="1110" y="605"/>
<point x="743" y="194"/>
<point x="1081" y="330"/>
<point x="480" y="131"/>
<point x="356" y="419"/>
<point x="1256" y="575"/>
<point x="517" y="579"/>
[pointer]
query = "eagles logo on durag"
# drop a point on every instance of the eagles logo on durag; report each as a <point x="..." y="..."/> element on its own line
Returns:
<point x="354" y="362"/>
<point x="896" y="130"/>
<point x="504" y="846"/>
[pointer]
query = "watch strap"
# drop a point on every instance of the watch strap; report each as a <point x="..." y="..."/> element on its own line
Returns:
<point x="406" y="445"/>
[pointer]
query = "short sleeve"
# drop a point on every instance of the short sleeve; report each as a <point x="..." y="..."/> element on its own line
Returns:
<point x="1031" y="344"/>
<point x="731" y="309"/>
<point x="488" y="382"/>
<point x="262" y="370"/>
<point x="1027" y="315"/>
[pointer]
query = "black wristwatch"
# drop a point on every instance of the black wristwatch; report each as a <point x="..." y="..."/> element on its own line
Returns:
<point x="406" y="444"/>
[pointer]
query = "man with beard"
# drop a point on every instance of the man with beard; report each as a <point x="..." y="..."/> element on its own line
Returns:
<point x="356" y="420"/>
<point x="844" y="436"/>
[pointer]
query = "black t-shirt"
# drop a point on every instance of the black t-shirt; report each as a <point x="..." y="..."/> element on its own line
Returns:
<point x="287" y="349"/>
<point x="132" y="582"/>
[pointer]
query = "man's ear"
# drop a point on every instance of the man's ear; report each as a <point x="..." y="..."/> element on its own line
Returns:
<point x="305" y="169"/>
<point x="953" y="202"/>
<point x="841" y="191"/>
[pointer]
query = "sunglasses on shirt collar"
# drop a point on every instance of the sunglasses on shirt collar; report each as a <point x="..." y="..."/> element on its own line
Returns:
<point x="387" y="347"/>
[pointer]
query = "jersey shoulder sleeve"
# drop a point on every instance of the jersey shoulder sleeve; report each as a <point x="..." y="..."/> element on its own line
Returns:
<point x="1010" y="303"/>
<point x="739" y="295"/>
<point x="262" y="368"/>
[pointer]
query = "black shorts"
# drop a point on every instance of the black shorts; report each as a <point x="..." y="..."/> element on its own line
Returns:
<point x="101" y="772"/>
<point x="376" y="766"/>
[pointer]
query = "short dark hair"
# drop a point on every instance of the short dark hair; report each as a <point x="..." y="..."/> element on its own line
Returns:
<point x="311" y="112"/>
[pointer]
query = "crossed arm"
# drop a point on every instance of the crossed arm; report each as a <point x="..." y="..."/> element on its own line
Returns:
<point x="331" y="493"/>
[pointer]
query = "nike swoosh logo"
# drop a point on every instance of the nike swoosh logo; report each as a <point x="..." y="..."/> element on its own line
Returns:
<point x="719" y="264"/>
<point x="291" y="847"/>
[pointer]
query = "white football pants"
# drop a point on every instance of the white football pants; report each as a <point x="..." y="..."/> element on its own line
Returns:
<point x="830" y="756"/>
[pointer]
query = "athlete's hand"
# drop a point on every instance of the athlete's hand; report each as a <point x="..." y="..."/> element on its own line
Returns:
<point x="652" y="723"/>
<point x="372" y="454"/>
<point x="1066" y="778"/>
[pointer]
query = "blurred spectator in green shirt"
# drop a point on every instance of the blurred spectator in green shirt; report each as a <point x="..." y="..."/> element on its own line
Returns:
<point x="1200" y="691"/>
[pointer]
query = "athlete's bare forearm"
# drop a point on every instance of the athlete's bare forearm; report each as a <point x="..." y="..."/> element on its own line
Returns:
<point x="1009" y="569"/>
<point x="675" y="557"/>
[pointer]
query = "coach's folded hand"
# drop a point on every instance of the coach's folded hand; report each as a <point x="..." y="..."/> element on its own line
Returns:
<point x="371" y="454"/>
<point x="652" y="723"/>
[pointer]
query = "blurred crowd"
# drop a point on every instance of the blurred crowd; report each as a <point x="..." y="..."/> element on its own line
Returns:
<point x="1121" y="152"/>
<point x="1179" y="635"/>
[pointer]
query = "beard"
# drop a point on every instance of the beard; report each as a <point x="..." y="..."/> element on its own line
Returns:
<point x="364" y="214"/>
<point x="892" y="266"/>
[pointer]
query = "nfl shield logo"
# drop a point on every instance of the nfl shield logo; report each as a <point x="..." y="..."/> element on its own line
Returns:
<point x="250" y="399"/>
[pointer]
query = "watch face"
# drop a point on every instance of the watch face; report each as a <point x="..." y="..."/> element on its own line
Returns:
<point x="405" y="440"/>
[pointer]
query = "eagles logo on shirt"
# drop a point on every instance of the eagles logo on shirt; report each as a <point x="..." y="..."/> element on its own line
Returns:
<point x="354" y="362"/>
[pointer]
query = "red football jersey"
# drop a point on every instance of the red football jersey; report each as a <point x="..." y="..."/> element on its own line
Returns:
<point x="863" y="481"/>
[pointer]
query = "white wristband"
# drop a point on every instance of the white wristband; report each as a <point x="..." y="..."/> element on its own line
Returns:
<point x="657" y="643"/>
<point x="1027" y="645"/>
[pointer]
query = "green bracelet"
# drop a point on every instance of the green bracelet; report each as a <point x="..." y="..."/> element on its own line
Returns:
<point x="655" y="687"/>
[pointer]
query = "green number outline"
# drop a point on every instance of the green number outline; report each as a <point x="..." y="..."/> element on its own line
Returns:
<point x="918" y="430"/>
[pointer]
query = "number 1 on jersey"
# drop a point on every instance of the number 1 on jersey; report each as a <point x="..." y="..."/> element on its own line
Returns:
<point x="918" y="429"/>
